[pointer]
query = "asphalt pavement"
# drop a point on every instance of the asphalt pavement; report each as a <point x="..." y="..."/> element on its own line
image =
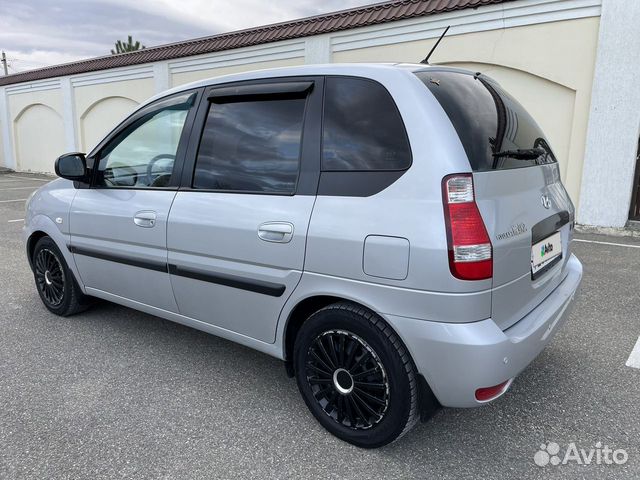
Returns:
<point x="114" y="393"/>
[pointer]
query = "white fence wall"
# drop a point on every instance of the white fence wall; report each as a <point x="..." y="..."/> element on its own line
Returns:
<point x="544" y="51"/>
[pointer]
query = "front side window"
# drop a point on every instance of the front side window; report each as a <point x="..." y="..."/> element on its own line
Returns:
<point x="251" y="146"/>
<point x="144" y="153"/>
<point x="363" y="129"/>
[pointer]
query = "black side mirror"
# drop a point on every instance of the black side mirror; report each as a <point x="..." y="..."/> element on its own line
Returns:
<point x="72" y="166"/>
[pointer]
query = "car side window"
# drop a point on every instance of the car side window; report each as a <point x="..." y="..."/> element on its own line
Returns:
<point x="363" y="129"/>
<point x="143" y="154"/>
<point x="251" y="146"/>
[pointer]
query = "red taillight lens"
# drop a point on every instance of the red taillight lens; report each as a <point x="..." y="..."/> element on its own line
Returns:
<point x="489" y="393"/>
<point x="470" y="251"/>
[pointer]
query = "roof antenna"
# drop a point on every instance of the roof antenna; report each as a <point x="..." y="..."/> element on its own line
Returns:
<point x="426" y="59"/>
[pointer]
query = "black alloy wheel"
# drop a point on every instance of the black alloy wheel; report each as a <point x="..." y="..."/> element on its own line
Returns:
<point x="50" y="277"/>
<point x="355" y="375"/>
<point x="55" y="283"/>
<point x="347" y="379"/>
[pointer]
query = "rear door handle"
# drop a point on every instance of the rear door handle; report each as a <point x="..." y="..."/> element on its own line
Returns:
<point x="146" y="219"/>
<point x="279" y="232"/>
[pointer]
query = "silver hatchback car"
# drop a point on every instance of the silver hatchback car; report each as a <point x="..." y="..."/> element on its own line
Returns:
<point x="397" y="234"/>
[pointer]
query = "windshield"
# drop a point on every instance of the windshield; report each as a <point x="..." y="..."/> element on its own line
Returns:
<point x="491" y="124"/>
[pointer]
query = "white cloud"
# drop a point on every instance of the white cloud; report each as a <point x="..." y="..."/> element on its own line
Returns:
<point x="19" y="61"/>
<point x="238" y="14"/>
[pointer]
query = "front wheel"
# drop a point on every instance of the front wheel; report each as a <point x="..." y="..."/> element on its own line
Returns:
<point x="356" y="376"/>
<point x="56" y="286"/>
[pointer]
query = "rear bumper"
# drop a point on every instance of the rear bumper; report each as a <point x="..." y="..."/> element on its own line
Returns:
<point x="457" y="359"/>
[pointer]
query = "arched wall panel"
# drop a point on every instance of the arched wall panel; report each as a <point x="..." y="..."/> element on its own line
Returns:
<point x="101" y="117"/>
<point x="100" y="106"/>
<point x="38" y="153"/>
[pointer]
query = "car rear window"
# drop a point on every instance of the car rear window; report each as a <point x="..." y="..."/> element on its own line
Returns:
<point x="489" y="121"/>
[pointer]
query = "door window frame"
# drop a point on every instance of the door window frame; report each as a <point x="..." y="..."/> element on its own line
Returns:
<point x="310" y="151"/>
<point x="93" y="158"/>
<point x="360" y="183"/>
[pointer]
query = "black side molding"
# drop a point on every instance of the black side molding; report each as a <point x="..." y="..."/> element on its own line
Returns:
<point x="257" y="286"/>
<point x="251" y="285"/>
<point x="134" y="262"/>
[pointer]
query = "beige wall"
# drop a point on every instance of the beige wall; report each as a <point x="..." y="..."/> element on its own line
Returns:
<point x="186" y="77"/>
<point x="100" y="107"/>
<point x="548" y="67"/>
<point x="37" y="112"/>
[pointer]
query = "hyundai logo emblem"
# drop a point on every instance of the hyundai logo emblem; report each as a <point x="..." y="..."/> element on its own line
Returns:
<point x="546" y="203"/>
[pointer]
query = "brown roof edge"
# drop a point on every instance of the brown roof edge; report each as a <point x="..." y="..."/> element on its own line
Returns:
<point x="304" y="27"/>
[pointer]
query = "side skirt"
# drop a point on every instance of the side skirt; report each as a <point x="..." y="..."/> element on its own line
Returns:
<point x="272" y="349"/>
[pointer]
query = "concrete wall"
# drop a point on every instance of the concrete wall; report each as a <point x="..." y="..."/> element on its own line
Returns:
<point x="191" y="76"/>
<point x="2" y="160"/>
<point x="38" y="128"/>
<point x="614" y="125"/>
<point x="542" y="51"/>
<point x="99" y="107"/>
<point x="548" y="67"/>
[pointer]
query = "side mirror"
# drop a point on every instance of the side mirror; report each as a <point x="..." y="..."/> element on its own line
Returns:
<point x="72" y="166"/>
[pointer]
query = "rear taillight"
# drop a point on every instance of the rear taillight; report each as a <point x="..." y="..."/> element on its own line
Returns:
<point x="470" y="252"/>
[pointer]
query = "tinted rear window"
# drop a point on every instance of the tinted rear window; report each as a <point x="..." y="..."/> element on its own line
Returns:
<point x="487" y="119"/>
<point x="363" y="129"/>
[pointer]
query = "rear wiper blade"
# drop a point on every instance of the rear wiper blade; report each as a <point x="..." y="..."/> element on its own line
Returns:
<point x="522" y="153"/>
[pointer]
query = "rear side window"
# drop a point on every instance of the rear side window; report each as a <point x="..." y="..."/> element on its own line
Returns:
<point x="491" y="124"/>
<point x="362" y="128"/>
<point x="251" y="146"/>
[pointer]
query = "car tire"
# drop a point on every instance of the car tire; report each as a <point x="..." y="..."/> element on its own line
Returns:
<point x="55" y="283"/>
<point x="356" y="376"/>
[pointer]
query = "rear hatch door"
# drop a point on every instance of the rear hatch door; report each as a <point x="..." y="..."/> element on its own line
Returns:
<point x="530" y="241"/>
<point x="526" y="209"/>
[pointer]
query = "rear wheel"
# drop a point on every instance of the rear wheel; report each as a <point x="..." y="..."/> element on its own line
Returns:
<point x="355" y="375"/>
<point x="56" y="286"/>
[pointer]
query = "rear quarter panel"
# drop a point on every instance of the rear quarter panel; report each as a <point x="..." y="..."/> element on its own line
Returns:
<point x="411" y="208"/>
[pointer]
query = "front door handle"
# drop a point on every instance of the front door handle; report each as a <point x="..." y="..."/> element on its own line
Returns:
<point x="146" y="219"/>
<point x="280" y="232"/>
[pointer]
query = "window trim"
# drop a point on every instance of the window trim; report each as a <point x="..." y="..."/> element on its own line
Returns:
<point x="258" y="91"/>
<point x="404" y="129"/>
<point x="309" y="158"/>
<point x="93" y="159"/>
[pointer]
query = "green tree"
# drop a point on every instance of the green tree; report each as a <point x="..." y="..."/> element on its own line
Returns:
<point x="129" y="46"/>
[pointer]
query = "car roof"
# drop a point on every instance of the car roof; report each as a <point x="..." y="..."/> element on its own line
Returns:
<point x="360" y="69"/>
<point x="347" y="69"/>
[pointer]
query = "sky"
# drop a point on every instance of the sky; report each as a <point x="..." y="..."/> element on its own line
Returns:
<point x="37" y="33"/>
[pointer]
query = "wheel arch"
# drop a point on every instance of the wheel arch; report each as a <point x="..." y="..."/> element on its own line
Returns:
<point x="311" y="304"/>
<point x="31" y="244"/>
<point x="299" y="314"/>
<point x="428" y="404"/>
<point x="40" y="226"/>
